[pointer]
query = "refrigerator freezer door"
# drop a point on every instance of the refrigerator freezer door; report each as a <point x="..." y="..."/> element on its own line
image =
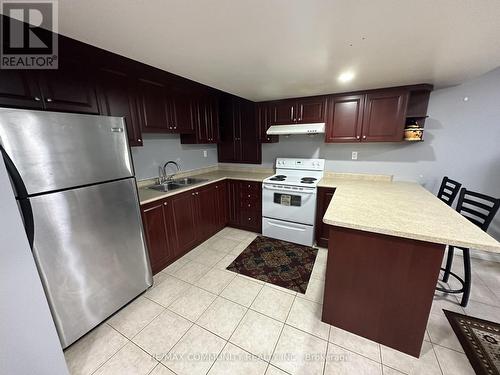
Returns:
<point x="54" y="151"/>
<point x="90" y="252"/>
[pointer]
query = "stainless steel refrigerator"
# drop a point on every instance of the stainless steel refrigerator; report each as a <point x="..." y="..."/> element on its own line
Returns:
<point x="74" y="181"/>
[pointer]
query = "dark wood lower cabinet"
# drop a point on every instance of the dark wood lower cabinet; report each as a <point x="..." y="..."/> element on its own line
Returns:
<point x="324" y="198"/>
<point x="245" y="205"/>
<point x="184" y="221"/>
<point x="156" y="218"/>
<point x="175" y="225"/>
<point x="381" y="287"/>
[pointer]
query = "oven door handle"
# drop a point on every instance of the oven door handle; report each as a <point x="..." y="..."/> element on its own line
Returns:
<point x="290" y="191"/>
<point x="285" y="226"/>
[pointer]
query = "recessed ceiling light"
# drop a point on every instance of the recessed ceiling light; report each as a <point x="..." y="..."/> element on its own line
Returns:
<point x="346" y="76"/>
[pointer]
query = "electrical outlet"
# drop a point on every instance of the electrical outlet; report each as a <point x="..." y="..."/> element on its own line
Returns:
<point x="354" y="155"/>
<point x="205" y="153"/>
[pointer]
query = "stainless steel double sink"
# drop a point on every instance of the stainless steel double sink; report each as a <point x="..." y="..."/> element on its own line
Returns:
<point x="177" y="184"/>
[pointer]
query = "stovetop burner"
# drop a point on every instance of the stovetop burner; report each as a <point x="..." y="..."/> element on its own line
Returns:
<point x="308" y="180"/>
<point x="279" y="177"/>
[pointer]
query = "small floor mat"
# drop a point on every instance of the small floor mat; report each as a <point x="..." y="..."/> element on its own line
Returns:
<point x="277" y="262"/>
<point x="480" y="340"/>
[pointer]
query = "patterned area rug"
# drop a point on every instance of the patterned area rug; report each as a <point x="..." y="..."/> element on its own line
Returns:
<point x="277" y="262"/>
<point x="480" y="340"/>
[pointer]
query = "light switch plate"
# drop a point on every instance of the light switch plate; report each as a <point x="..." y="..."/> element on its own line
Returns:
<point x="354" y="155"/>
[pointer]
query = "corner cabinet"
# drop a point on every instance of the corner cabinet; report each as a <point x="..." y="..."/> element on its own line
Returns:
<point x="239" y="142"/>
<point x="377" y="116"/>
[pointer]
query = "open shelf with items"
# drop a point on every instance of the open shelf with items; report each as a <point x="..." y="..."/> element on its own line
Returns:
<point x="416" y="113"/>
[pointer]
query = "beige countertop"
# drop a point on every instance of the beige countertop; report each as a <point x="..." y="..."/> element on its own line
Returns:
<point x="147" y="195"/>
<point x="401" y="209"/>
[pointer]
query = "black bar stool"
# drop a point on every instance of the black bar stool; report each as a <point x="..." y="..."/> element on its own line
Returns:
<point x="449" y="190"/>
<point x="480" y="209"/>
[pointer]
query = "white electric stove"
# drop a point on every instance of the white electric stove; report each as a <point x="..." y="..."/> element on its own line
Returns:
<point x="289" y="200"/>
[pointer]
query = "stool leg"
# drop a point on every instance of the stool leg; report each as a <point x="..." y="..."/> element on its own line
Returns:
<point x="467" y="279"/>
<point x="449" y="262"/>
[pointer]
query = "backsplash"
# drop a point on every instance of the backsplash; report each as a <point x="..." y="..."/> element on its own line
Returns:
<point x="160" y="148"/>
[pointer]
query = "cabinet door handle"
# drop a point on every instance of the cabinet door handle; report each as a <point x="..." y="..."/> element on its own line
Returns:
<point x="248" y="195"/>
<point x="164" y="203"/>
<point x="192" y="193"/>
<point x="364" y="137"/>
<point x="48" y="100"/>
<point x="357" y="137"/>
<point x="37" y="99"/>
<point x="249" y="219"/>
<point x="197" y="193"/>
<point x="139" y="140"/>
<point x="248" y="205"/>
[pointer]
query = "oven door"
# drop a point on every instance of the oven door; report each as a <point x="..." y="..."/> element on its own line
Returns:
<point x="289" y="203"/>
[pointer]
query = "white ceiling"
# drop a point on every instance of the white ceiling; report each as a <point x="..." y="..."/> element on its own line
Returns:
<point x="266" y="49"/>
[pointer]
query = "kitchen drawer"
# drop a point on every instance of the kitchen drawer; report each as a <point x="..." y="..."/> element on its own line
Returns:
<point x="251" y="204"/>
<point x="252" y="220"/>
<point x="250" y="187"/>
<point x="247" y="197"/>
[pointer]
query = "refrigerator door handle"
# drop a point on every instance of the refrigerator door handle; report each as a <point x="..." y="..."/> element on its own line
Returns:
<point x="22" y="194"/>
<point x="29" y="221"/>
<point x="21" y="191"/>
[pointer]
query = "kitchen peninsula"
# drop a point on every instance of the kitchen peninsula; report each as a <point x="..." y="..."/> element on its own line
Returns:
<point x="386" y="245"/>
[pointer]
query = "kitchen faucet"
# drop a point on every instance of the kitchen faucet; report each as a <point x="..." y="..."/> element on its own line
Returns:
<point x="162" y="173"/>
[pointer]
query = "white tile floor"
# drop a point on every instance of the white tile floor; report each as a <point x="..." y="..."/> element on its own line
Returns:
<point x="200" y="318"/>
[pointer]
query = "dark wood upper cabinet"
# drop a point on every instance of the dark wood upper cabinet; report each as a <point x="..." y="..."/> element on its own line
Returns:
<point x="184" y="120"/>
<point x="345" y="118"/>
<point x="156" y="217"/>
<point x="311" y="110"/>
<point x="249" y="144"/>
<point x="118" y="97"/>
<point x="19" y="88"/>
<point x="154" y="106"/>
<point x="204" y="119"/>
<point x="69" y="88"/>
<point x="298" y="111"/>
<point x="263" y="122"/>
<point x="283" y="111"/>
<point x="239" y="134"/>
<point x="384" y="116"/>
<point x="372" y="116"/>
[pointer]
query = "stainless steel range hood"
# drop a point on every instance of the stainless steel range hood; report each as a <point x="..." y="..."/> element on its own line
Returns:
<point x="296" y="129"/>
